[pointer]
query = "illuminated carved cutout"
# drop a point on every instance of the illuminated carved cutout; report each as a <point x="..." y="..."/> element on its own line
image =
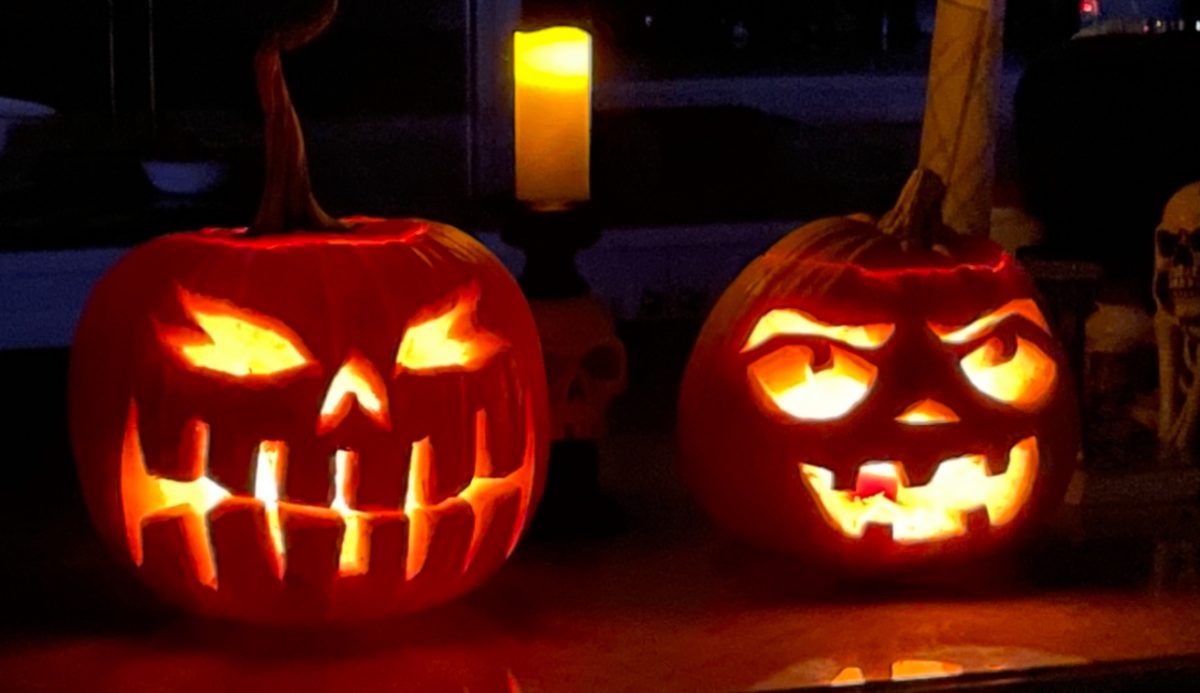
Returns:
<point x="144" y="497"/>
<point x="234" y="341"/>
<point x="784" y="321"/>
<point x="937" y="510"/>
<point x="356" y="381"/>
<point x="786" y="378"/>
<point x="354" y="555"/>
<point x="850" y="676"/>
<point x="901" y="670"/>
<point x="928" y="412"/>
<point x="912" y="669"/>
<point x="269" y="467"/>
<point x="1024" y="307"/>
<point x="147" y="498"/>
<point x="1024" y="380"/>
<point x="449" y="340"/>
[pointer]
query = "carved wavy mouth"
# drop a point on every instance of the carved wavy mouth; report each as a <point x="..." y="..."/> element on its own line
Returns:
<point x="413" y="533"/>
<point x="962" y="496"/>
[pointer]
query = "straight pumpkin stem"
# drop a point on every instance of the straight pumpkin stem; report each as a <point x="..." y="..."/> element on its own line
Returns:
<point x="287" y="203"/>
<point x="916" y="220"/>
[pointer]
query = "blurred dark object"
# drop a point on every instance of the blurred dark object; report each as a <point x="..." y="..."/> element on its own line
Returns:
<point x="1106" y="131"/>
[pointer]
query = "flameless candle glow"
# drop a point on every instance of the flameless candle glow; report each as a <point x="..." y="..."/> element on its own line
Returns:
<point x="553" y="113"/>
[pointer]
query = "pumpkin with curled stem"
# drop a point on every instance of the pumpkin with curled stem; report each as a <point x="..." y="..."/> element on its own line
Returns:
<point x="312" y="419"/>
<point x="879" y="395"/>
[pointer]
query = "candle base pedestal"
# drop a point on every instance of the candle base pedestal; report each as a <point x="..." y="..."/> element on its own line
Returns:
<point x="585" y="366"/>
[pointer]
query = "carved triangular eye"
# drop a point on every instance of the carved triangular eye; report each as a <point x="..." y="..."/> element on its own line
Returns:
<point x="447" y="338"/>
<point x="234" y="341"/>
<point x="785" y="381"/>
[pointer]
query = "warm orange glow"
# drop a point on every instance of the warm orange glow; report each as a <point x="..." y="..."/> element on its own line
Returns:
<point x="552" y="113"/>
<point x="144" y="497"/>
<point x="850" y="676"/>
<point x="1024" y="307"/>
<point x="356" y="381"/>
<point x="783" y="321"/>
<point x="927" y="412"/>
<point x="269" y="467"/>
<point x="911" y="669"/>
<point x="419" y="529"/>
<point x="235" y="341"/>
<point x="1025" y="380"/>
<point x="787" y="379"/>
<point x="937" y="510"/>
<point x="356" y="545"/>
<point x="449" y="340"/>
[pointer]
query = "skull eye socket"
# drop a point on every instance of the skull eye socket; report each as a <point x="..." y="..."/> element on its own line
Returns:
<point x="787" y="382"/>
<point x="1167" y="242"/>
<point x="446" y="338"/>
<point x="234" y="341"/>
<point x="1023" y="379"/>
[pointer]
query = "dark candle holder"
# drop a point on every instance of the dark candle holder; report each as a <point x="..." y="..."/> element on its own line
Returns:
<point x="573" y="504"/>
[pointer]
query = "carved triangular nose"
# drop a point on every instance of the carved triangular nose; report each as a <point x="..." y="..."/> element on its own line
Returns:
<point x="927" y="412"/>
<point x="357" y="381"/>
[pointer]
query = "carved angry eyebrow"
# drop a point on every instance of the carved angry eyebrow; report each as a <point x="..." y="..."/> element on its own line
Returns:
<point x="787" y="321"/>
<point x="1021" y="307"/>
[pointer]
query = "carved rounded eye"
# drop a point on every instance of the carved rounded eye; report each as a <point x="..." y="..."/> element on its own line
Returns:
<point x="446" y="338"/>
<point x="1024" y="379"/>
<point x="787" y="382"/>
<point x="235" y="341"/>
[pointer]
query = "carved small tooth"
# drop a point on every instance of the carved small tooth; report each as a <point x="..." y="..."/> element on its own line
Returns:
<point x="248" y="565"/>
<point x="977" y="520"/>
<point x="877" y="533"/>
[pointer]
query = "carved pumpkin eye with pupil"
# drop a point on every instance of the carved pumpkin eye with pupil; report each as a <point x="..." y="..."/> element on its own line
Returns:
<point x="235" y="341"/>
<point x="1023" y="377"/>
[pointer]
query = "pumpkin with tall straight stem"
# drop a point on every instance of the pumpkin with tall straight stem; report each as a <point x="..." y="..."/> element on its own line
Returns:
<point x="311" y="419"/>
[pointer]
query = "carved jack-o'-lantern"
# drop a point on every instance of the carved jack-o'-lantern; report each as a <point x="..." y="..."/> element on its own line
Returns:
<point x="310" y="426"/>
<point x="309" y="420"/>
<point x="877" y="398"/>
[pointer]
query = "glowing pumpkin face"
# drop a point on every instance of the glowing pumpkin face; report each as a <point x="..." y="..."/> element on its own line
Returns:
<point x="310" y="427"/>
<point x="880" y="411"/>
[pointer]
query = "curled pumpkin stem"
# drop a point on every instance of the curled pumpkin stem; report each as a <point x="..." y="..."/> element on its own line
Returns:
<point x="916" y="220"/>
<point x="288" y="203"/>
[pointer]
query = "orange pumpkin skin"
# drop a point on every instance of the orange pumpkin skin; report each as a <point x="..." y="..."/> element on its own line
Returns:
<point x="262" y="430"/>
<point x="755" y="467"/>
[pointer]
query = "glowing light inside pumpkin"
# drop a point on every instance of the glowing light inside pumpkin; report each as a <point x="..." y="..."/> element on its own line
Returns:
<point x="1024" y="380"/>
<point x="147" y="498"/>
<point x="901" y="670"/>
<point x="926" y="412"/>
<point x="937" y="510"/>
<point x="144" y="495"/>
<point x="787" y="378"/>
<point x="269" y="469"/>
<point x="235" y="341"/>
<point x="785" y="321"/>
<point x="449" y="340"/>
<point x="850" y="676"/>
<point x="420" y="466"/>
<point x="356" y="381"/>
<point x="355" y="552"/>
<point x="1024" y="307"/>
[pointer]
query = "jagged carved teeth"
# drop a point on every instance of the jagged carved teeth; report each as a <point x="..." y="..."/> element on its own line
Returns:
<point x="1183" y="280"/>
<point x="148" y="498"/>
<point x="958" y="498"/>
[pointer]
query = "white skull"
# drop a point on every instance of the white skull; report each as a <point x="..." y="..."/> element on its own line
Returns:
<point x="1177" y="256"/>
<point x="585" y="365"/>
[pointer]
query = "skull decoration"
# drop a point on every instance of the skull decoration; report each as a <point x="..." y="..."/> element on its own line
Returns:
<point x="310" y="427"/>
<point x="1177" y="324"/>
<point x="875" y="404"/>
<point x="585" y="364"/>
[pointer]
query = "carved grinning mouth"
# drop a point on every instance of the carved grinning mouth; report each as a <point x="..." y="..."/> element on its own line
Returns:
<point x="487" y="499"/>
<point x="960" y="496"/>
